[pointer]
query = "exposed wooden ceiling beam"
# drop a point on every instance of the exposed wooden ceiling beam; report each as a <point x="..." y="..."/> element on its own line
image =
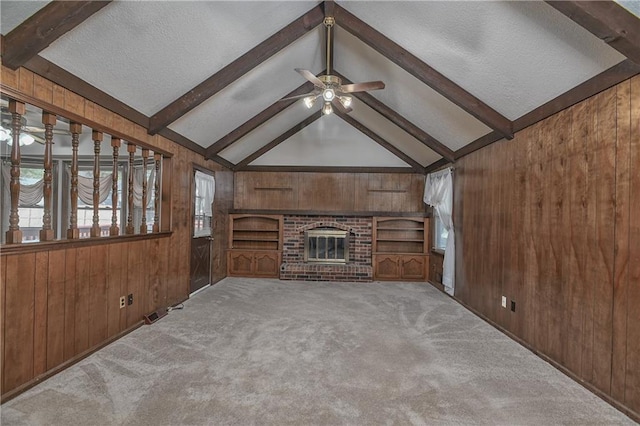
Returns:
<point x="436" y="165"/>
<point x="257" y="120"/>
<point x="44" y="27"/>
<point x="391" y="115"/>
<point x="381" y="141"/>
<point x="236" y="69"/>
<point x="603" y="81"/>
<point x="328" y="169"/>
<point x="608" y="21"/>
<point x="423" y="72"/>
<point x="277" y="141"/>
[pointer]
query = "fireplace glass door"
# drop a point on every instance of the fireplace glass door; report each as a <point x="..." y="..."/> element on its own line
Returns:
<point x="326" y="246"/>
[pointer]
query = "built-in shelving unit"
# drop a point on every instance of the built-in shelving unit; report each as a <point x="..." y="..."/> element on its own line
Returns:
<point x="255" y="245"/>
<point x="400" y="248"/>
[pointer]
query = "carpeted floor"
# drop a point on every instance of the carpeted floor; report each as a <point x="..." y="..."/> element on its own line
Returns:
<point x="272" y="352"/>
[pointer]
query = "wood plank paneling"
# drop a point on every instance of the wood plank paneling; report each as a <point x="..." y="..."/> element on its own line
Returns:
<point x="40" y="314"/>
<point x="632" y="382"/>
<point x="565" y="231"/>
<point x="622" y="221"/>
<point x="56" y="308"/>
<point x="98" y="293"/>
<point x="114" y="280"/>
<point x="3" y="292"/>
<point x="70" y="303"/>
<point x="82" y="299"/>
<point x="19" y="312"/>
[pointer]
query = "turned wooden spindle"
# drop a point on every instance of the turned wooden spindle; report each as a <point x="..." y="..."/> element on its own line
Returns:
<point x="113" y="229"/>
<point x="131" y="148"/>
<point x="143" y="221"/>
<point x="49" y="120"/>
<point x="97" y="137"/>
<point x="14" y="234"/>
<point x="73" y="232"/>
<point x="156" y="197"/>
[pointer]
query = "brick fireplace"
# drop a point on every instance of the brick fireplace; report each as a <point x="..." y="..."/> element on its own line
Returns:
<point x="358" y="267"/>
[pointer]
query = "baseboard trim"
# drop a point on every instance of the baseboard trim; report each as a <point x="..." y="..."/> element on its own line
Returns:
<point x="55" y="370"/>
<point x="605" y="397"/>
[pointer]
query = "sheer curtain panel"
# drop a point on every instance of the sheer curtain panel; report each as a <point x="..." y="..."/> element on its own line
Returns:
<point x="438" y="193"/>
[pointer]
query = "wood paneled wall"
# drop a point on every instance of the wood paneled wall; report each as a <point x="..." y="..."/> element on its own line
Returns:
<point x="550" y="220"/>
<point x="61" y="301"/>
<point x="339" y="192"/>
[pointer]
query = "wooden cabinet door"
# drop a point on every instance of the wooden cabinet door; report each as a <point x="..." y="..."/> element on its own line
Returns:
<point x="266" y="264"/>
<point x="413" y="267"/>
<point x="240" y="263"/>
<point x="386" y="267"/>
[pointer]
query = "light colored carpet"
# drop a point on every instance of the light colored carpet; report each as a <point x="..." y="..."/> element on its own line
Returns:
<point x="272" y="352"/>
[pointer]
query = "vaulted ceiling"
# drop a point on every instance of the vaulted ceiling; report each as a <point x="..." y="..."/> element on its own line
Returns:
<point x="210" y="74"/>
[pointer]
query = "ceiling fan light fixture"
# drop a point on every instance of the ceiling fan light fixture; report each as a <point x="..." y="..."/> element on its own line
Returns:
<point x="327" y="108"/>
<point x="345" y="101"/>
<point x="5" y="134"/>
<point x="309" y="101"/>
<point x="26" y="139"/>
<point x="328" y="95"/>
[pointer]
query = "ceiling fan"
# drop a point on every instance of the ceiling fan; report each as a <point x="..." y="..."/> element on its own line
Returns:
<point x="329" y="87"/>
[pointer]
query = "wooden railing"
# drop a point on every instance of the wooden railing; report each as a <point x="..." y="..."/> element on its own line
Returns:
<point x="14" y="234"/>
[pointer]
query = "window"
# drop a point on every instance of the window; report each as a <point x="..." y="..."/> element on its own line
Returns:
<point x="440" y="234"/>
<point x="204" y="193"/>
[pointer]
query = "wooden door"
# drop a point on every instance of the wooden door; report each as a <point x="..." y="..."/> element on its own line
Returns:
<point x="203" y="190"/>
<point x="200" y="262"/>
<point x="386" y="267"/>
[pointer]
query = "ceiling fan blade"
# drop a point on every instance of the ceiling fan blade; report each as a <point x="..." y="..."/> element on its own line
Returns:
<point x="32" y="129"/>
<point x="362" y="87"/>
<point x="37" y="138"/>
<point x="314" y="94"/>
<point x="341" y="108"/>
<point x="311" y="77"/>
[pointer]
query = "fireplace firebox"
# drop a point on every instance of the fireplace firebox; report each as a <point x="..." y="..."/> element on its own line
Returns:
<point x="326" y="246"/>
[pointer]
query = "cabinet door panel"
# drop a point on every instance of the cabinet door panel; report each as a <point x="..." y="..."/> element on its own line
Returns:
<point x="266" y="264"/>
<point x="386" y="267"/>
<point x="413" y="267"/>
<point x="240" y="263"/>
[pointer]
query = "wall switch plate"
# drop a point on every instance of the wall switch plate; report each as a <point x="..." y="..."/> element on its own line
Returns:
<point x="504" y="301"/>
<point x="513" y="306"/>
<point x="130" y="299"/>
<point x="123" y="302"/>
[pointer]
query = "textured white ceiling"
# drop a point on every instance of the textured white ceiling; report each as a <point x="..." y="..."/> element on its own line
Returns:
<point x="513" y="55"/>
<point x="267" y="132"/>
<point x="13" y="13"/>
<point x="393" y="134"/>
<point x="339" y="145"/>
<point x="149" y="53"/>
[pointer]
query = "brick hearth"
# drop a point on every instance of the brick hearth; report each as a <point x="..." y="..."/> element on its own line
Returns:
<point x="357" y="269"/>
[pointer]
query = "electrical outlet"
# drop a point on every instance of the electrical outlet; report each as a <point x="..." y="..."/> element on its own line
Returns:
<point x="513" y="306"/>
<point x="130" y="299"/>
<point x="504" y="301"/>
<point x="123" y="302"/>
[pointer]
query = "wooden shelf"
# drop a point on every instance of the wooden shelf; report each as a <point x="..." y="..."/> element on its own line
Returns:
<point x="399" y="248"/>
<point x="255" y="245"/>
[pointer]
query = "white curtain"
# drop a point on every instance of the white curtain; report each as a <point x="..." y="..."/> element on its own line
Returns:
<point x="30" y="195"/>
<point x="138" y="178"/>
<point x="85" y="187"/>
<point x="438" y="193"/>
<point x="205" y="188"/>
